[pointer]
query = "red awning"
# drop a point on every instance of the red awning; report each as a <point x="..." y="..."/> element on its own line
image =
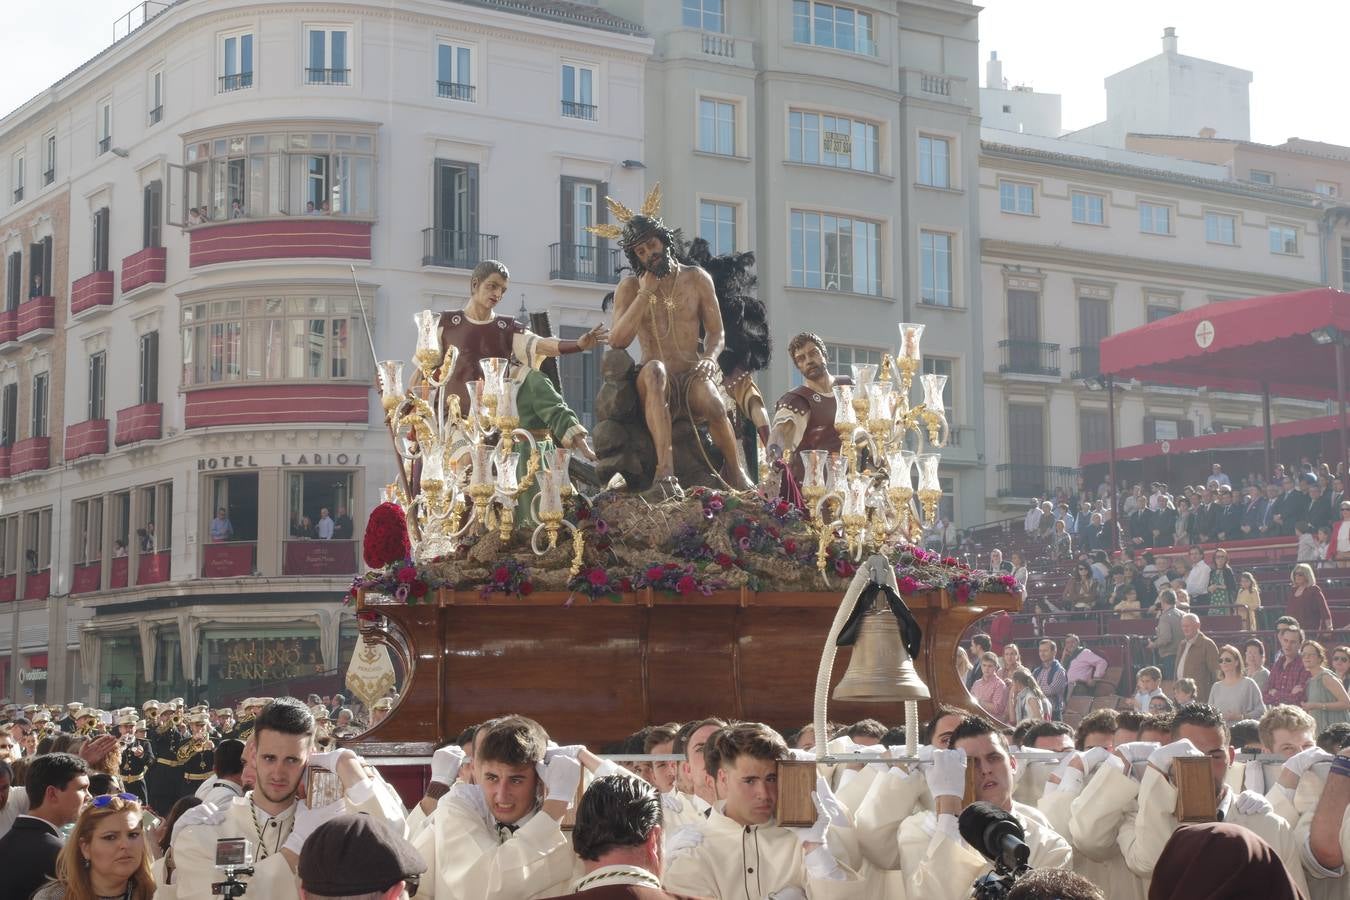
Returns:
<point x="1237" y="345"/>
<point x="1248" y="438"/>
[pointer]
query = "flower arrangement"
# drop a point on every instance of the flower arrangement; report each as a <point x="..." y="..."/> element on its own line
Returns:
<point x="386" y="538"/>
<point x="679" y="579"/>
<point x="594" y="582"/>
<point x="400" y="579"/>
<point x="509" y="577"/>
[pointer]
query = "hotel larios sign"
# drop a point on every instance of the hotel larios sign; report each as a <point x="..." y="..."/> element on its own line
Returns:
<point x="285" y="460"/>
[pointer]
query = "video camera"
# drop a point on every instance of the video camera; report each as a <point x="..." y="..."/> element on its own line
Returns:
<point x="999" y="837"/>
<point x="234" y="857"/>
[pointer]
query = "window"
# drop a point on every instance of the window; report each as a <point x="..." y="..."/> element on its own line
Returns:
<point x="935" y="161"/>
<point x="1220" y="228"/>
<point x="717" y="226"/>
<point x="149" y="368"/>
<point x="19" y="175"/>
<point x="102" y="221"/>
<point x="716" y="126"/>
<point x="581" y="254"/>
<point x="49" y="159"/>
<point x="1328" y="188"/>
<point x="580" y="374"/>
<point x="280" y="174"/>
<point x="454" y="71"/>
<point x="236" y="62"/>
<point x="825" y="140"/>
<point x="709" y="15"/>
<point x="836" y="253"/>
<point x="578" y="92"/>
<point x="98" y="385"/>
<point x="257" y="339"/>
<point x="155" y="90"/>
<point x="1155" y="218"/>
<point x="1345" y="265"/>
<point x="840" y="359"/>
<point x="154" y="534"/>
<point x="315" y="496"/>
<point x="327" y="58"/>
<point x="935" y="263"/>
<point x="1093" y="431"/>
<point x="40" y="268"/>
<point x="152" y="215"/>
<point x="1088" y="209"/>
<point x="237" y="497"/>
<point x="39" y="419"/>
<point x="1262" y="177"/>
<point x="1017" y="197"/>
<point x="104" y="126"/>
<point x="1283" y="238"/>
<point x="13" y="281"/>
<point x="1158" y="311"/>
<point x="9" y="546"/>
<point x="937" y="365"/>
<point x="456" y="215"/>
<point x="88" y="537"/>
<point x="37" y="549"/>
<point x="830" y="25"/>
<point x="9" y="415"/>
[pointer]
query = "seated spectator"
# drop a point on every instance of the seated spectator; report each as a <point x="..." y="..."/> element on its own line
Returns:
<point x="990" y="690"/>
<point x="1126" y="602"/>
<point x="1082" y="665"/>
<point x="1082" y="590"/>
<point x="1019" y="567"/>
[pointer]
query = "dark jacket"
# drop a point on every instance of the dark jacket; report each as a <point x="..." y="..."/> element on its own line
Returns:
<point x="1229" y="526"/>
<point x="1319" y="511"/>
<point x="27" y="857"/>
<point x="1293" y="509"/>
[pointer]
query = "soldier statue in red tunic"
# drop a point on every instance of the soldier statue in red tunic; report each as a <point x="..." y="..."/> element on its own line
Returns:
<point x="803" y="418"/>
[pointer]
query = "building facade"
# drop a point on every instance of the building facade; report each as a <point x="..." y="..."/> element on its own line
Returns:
<point x="1080" y="243"/>
<point x="193" y="222"/>
<point x="839" y="142"/>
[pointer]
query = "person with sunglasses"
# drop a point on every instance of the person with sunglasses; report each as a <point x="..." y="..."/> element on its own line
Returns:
<point x="1235" y="695"/>
<point x="106" y="854"/>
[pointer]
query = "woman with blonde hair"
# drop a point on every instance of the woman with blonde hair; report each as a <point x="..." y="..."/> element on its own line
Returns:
<point x="1328" y="702"/>
<point x="1307" y="603"/>
<point x="1248" y="600"/>
<point x="1026" y="700"/>
<point x="106" y="854"/>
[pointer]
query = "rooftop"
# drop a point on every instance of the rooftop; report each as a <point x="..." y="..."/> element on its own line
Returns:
<point x="1299" y="146"/>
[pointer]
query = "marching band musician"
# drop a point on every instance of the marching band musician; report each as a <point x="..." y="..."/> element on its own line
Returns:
<point x="137" y="757"/>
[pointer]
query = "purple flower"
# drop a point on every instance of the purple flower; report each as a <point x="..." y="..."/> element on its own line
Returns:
<point x="601" y="526"/>
<point x="715" y="503"/>
<point x="401" y="593"/>
<point x="743" y="543"/>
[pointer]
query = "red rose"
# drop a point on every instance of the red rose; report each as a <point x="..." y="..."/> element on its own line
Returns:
<point x="908" y="585"/>
<point x="526" y="588"/>
<point x="626" y="585"/>
<point x="418" y="588"/>
<point x="949" y="560"/>
<point x="597" y="577"/>
<point x="672" y="566"/>
<point x="407" y="575"/>
<point x="740" y="531"/>
<point x="789" y="546"/>
<point x="686" y="585"/>
<point x="655" y="573"/>
<point x="724" y="560"/>
<point x="501" y="574"/>
<point x="782" y="508"/>
<point x="386" y="537"/>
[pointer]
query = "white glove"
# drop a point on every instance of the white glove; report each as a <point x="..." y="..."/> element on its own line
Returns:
<point x="801" y="755"/>
<point x="1137" y="751"/>
<point x="671" y="802"/>
<point x="947" y="777"/>
<point x="816" y="833"/>
<point x="1250" y="803"/>
<point x="307" y="820"/>
<point x="471" y="795"/>
<point x="683" y="841"/>
<point x="1094" y="757"/>
<point x="445" y="764"/>
<point x="560" y="777"/>
<point x="1163" y="756"/>
<point x="1300" y="762"/>
<point x="830" y="803"/>
<point x="329" y="760"/>
<point x="572" y="750"/>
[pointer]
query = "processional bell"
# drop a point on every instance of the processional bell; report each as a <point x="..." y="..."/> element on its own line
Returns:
<point x="881" y="669"/>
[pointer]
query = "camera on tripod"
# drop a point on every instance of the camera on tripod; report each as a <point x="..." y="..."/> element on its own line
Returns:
<point x="234" y="857"/>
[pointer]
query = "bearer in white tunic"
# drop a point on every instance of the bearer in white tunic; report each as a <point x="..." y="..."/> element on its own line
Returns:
<point x="937" y="863"/>
<point x="738" y="853"/>
<point x="270" y="817"/>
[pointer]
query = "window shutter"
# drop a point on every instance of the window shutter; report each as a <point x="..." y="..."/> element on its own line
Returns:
<point x="601" y="218"/>
<point x="1150" y="430"/>
<point x="567" y="224"/>
<point x="471" y="178"/>
<point x="47" y="265"/>
<point x="1186" y="428"/>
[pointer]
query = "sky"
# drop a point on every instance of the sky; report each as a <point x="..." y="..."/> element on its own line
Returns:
<point x="1057" y="46"/>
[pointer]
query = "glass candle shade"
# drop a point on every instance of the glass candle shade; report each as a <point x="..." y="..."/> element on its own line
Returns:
<point x="910" y="335"/>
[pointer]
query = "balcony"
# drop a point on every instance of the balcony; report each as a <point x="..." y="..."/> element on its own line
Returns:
<point x="36" y="319"/>
<point x="318" y="557"/>
<point x="299" y="237"/>
<point x="328" y="76"/>
<point x="104" y="145"/>
<point x="31" y="455"/>
<point x="153" y="568"/>
<point x="9" y="326"/>
<point x="48" y="177"/>
<point x="9" y="586"/>
<point x="229" y="559"/>
<point x="88" y="438"/>
<point x="139" y="423"/>
<point x="117" y="577"/>
<point x="4" y="459"/>
<point x="93" y="291"/>
<point x="574" y="110"/>
<point x="1029" y="358"/>
<point x="37" y="585"/>
<point x="710" y="46"/>
<point x="935" y="86"/>
<point x="85" y="578"/>
<point x="156" y="114"/>
<point x="718" y="45"/>
<point x="456" y="249"/>
<point x="1025" y="482"/>
<point x="1087" y="362"/>
<point x="453" y="90"/>
<point x="236" y="82"/>
<point x="276" y="404"/>
<point x="579" y="262"/>
<point x="145" y="267"/>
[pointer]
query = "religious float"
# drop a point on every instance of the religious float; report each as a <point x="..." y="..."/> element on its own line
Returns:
<point x="498" y="582"/>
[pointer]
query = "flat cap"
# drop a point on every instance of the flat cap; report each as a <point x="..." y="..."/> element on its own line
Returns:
<point x="356" y="854"/>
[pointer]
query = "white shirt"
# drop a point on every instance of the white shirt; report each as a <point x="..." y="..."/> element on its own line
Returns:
<point x="325" y="529"/>
<point x="1197" y="579"/>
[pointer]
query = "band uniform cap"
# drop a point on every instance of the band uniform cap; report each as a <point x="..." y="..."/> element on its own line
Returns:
<point x="30" y="708"/>
<point x="149" y="705"/>
<point x="384" y="703"/>
<point x="225" y="711"/>
<point x="356" y="854"/>
<point x="263" y="701"/>
<point x="198" y="718"/>
<point x="74" y="705"/>
<point x="128" y="719"/>
<point x="41" y="716"/>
